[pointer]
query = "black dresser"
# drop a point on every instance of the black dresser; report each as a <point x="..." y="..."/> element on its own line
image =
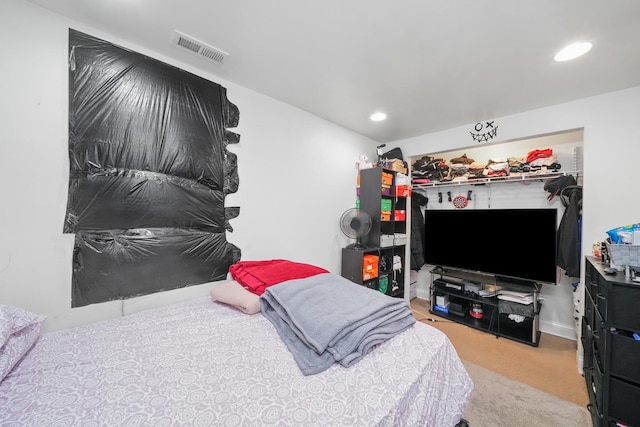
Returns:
<point x="611" y="342"/>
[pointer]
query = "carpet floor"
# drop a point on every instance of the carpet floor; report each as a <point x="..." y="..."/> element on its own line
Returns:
<point x="551" y="367"/>
<point x="500" y="401"/>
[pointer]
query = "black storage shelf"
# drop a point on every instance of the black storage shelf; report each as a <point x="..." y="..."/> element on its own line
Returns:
<point x="352" y="268"/>
<point x="611" y="353"/>
<point x="493" y="321"/>
<point x="373" y="182"/>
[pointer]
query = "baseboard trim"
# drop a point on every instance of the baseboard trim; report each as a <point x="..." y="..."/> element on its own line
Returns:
<point x="423" y="293"/>
<point x="558" y="329"/>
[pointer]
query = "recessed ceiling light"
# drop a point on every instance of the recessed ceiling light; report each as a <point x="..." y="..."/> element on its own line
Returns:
<point x="573" y="51"/>
<point x="378" y="117"/>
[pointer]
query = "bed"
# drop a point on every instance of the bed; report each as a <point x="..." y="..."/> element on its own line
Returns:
<point x="205" y="362"/>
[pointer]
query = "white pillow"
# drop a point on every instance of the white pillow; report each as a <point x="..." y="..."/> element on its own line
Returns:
<point x="19" y="330"/>
<point x="232" y="293"/>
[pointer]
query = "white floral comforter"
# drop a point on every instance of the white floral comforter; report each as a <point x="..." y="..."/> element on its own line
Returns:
<point x="205" y="364"/>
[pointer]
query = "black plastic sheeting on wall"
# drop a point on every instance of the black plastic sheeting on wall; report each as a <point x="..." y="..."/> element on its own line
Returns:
<point x="167" y="258"/>
<point x="149" y="172"/>
<point x="114" y="199"/>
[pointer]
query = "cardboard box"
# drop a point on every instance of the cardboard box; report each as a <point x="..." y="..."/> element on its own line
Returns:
<point x="399" y="239"/>
<point x="394" y="164"/>
<point x="386" y="240"/>
<point x="403" y="191"/>
<point x="385" y="216"/>
<point x="442" y="301"/>
<point x="402" y="179"/>
<point x="370" y="267"/>
<point x="387" y="178"/>
<point x="399" y="215"/>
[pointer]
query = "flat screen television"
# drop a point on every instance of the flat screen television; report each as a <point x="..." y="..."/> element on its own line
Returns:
<point x="517" y="244"/>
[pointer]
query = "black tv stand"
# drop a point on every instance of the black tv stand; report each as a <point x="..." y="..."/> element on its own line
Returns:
<point x="471" y="303"/>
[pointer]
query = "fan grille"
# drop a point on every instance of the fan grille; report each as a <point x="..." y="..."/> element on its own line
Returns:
<point x="355" y="224"/>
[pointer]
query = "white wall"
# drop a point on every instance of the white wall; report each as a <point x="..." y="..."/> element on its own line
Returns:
<point x="611" y="149"/>
<point x="296" y="173"/>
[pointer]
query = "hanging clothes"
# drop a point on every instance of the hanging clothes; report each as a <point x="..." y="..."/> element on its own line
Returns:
<point x="418" y="201"/>
<point x="568" y="238"/>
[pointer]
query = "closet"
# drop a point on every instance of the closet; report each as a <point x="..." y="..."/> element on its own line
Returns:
<point x="514" y="191"/>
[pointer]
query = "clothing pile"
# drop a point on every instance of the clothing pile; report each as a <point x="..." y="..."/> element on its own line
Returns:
<point x="431" y="169"/>
<point x="497" y="166"/>
<point x="428" y="169"/>
<point x="540" y="159"/>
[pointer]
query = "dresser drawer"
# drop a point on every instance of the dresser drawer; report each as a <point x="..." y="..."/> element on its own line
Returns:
<point x="623" y="303"/>
<point x="625" y="357"/>
<point x="593" y="377"/>
<point x="597" y="376"/>
<point x="599" y="331"/>
<point x="623" y="402"/>
<point x="596" y="415"/>
<point x="601" y="295"/>
<point x="586" y="337"/>
<point x="589" y="309"/>
<point x="591" y="280"/>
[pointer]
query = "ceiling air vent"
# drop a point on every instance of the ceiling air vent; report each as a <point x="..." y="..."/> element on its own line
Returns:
<point x="199" y="48"/>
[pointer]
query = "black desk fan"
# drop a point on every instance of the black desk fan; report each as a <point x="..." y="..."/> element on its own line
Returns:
<point x="355" y="224"/>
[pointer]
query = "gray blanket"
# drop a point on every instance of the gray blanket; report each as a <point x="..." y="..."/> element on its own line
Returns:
<point x="326" y="318"/>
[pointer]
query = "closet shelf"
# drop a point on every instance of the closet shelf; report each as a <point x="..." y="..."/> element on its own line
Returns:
<point x="536" y="176"/>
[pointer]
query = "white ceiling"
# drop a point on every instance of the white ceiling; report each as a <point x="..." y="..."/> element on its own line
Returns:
<point x="429" y="64"/>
